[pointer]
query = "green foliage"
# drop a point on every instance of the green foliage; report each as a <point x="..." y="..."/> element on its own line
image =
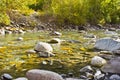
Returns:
<point x="86" y="11"/>
<point x="4" y="19"/>
<point x="38" y="5"/>
<point x="66" y="11"/>
<point x="110" y="10"/>
<point x="70" y="11"/>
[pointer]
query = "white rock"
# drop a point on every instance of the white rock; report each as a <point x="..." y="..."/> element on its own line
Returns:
<point x="43" y="47"/>
<point x="36" y="74"/>
<point x="98" y="72"/>
<point x="98" y="61"/>
<point x="107" y="44"/>
<point x="21" y="78"/>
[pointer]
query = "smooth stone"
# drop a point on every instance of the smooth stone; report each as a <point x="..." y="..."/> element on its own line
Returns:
<point x="107" y="44"/>
<point x="98" y="61"/>
<point x="43" y="47"/>
<point x="36" y="74"/>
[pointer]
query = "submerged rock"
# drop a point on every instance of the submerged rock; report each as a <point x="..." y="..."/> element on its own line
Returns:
<point x="98" y="61"/>
<point x="55" y="40"/>
<point x="107" y="44"/>
<point x="36" y="74"/>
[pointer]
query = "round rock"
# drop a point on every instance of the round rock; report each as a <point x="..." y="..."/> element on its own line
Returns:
<point x="98" y="61"/>
<point x="43" y="47"/>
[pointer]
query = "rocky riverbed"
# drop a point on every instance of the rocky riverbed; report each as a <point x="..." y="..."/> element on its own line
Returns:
<point x="70" y="55"/>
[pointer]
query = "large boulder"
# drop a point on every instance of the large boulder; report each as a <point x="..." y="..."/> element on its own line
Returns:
<point x="113" y="66"/>
<point x="107" y="44"/>
<point x="43" y="47"/>
<point x="36" y="74"/>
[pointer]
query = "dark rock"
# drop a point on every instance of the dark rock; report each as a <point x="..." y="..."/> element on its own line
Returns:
<point x="64" y="76"/>
<point x="86" y="69"/>
<point x="70" y="74"/>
